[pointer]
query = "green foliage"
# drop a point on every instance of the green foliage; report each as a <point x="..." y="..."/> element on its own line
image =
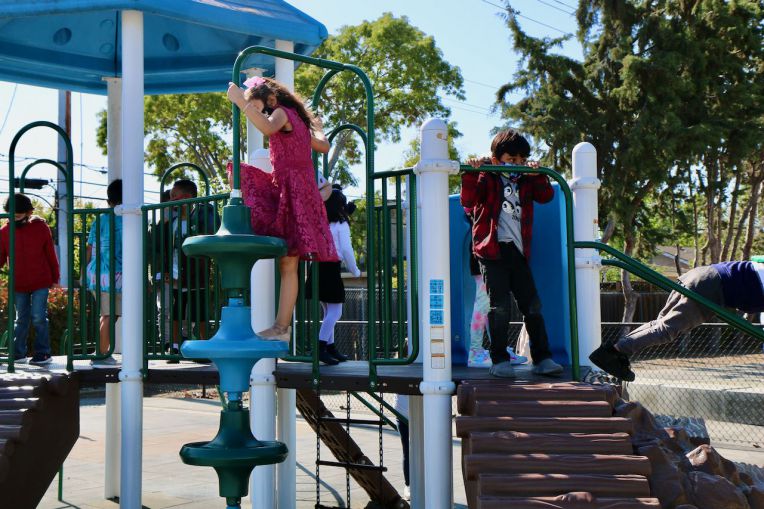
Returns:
<point x="406" y="69"/>
<point x="193" y="128"/>
<point x="661" y="86"/>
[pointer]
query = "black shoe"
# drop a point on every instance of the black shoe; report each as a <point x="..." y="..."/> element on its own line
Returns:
<point x="41" y="359"/>
<point x="608" y="359"/>
<point x="332" y="350"/>
<point x="324" y="356"/>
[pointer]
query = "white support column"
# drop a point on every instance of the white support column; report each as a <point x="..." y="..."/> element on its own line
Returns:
<point x="287" y="433"/>
<point x="62" y="194"/>
<point x="416" y="452"/>
<point x="588" y="262"/>
<point x="432" y="172"/>
<point x="287" y="398"/>
<point x="263" y="391"/>
<point x="132" y="249"/>
<point x="111" y="464"/>
<point x="114" y="127"/>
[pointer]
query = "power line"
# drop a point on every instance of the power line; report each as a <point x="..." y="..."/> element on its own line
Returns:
<point x="482" y="84"/>
<point x="566" y="5"/>
<point x="555" y="7"/>
<point x="517" y="13"/>
<point x="465" y="103"/>
<point x="10" y="105"/>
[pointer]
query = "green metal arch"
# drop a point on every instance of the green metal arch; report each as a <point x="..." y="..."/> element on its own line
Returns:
<point x="177" y="166"/>
<point x="31" y="165"/>
<point x="68" y="173"/>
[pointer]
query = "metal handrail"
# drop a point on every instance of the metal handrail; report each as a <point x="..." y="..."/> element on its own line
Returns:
<point x="169" y="171"/>
<point x="69" y="169"/>
<point x="637" y="268"/>
<point x="568" y="195"/>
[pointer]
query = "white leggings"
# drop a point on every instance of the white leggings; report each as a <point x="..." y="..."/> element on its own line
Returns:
<point x="332" y="314"/>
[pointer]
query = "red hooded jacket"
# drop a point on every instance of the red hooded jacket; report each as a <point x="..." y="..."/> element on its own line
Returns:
<point x="36" y="261"/>
<point x="482" y="194"/>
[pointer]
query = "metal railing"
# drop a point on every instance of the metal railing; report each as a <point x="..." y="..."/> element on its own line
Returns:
<point x="181" y="298"/>
<point x="569" y="249"/>
<point x="67" y="169"/>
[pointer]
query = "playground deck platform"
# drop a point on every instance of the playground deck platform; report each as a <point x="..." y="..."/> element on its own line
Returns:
<point x="347" y="376"/>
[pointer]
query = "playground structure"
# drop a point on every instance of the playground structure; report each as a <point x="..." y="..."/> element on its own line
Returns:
<point x="423" y="235"/>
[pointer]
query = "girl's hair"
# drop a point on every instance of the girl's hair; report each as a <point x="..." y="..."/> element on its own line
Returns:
<point x="338" y="210"/>
<point x="284" y="97"/>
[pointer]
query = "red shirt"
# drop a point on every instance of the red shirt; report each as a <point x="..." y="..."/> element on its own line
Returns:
<point x="482" y="194"/>
<point x="36" y="261"/>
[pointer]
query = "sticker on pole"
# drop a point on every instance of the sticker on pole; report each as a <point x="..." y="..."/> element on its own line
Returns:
<point x="436" y="317"/>
<point x="436" y="286"/>
<point x="436" y="301"/>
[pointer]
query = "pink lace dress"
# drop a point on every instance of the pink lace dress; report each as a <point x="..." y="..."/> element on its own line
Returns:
<point x="286" y="203"/>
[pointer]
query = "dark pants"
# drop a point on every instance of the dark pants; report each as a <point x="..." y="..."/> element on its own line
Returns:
<point x="403" y="429"/>
<point x="511" y="275"/>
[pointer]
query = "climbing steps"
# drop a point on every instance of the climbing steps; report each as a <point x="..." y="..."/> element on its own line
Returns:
<point x="39" y="424"/>
<point x="347" y="452"/>
<point x="551" y="446"/>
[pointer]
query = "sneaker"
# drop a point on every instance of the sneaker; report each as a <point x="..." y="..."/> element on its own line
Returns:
<point x="324" y="356"/>
<point x="332" y="350"/>
<point x="41" y="359"/>
<point x="610" y="360"/>
<point x="20" y="359"/>
<point x="407" y="494"/>
<point x="108" y="362"/>
<point x="479" y="358"/>
<point x="503" y="370"/>
<point x="276" y="333"/>
<point x="516" y="358"/>
<point x="547" y="367"/>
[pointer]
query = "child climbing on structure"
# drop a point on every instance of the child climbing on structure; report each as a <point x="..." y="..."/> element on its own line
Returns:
<point x="285" y="203"/>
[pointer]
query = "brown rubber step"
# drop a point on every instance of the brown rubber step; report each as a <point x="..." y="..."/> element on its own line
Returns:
<point x="17" y="417"/>
<point x="544" y="408"/>
<point x="24" y="391"/>
<point x="540" y="485"/>
<point x="19" y="403"/>
<point x="560" y="502"/>
<point x="6" y="447"/>
<point x="14" y="432"/>
<point x="467" y="393"/>
<point x="476" y="464"/>
<point x="468" y="424"/>
<point x="508" y="442"/>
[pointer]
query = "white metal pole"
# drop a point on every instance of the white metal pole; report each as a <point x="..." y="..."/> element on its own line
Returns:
<point x="132" y="249"/>
<point x="111" y="463"/>
<point x="263" y="392"/>
<point x="62" y="193"/>
<point x="416" y="452"/>
<point x="287" y="433"/>
<point x="588" y="262"/>
<point x="114" y="127"/>
<point x="287" y="398"/>
<point x="432" y="173"/>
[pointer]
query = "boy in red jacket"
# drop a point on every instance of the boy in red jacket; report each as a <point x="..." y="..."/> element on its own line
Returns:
<point x="36" y="271"/>
<point x="502" y="208"/>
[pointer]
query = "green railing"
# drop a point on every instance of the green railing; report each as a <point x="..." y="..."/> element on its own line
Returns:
<point x="68" y="174"/>
<point x="637" y="268"/>
<point x="569" y="246"/>
<point x="182" y="166"/>
<point x="181" y="297"/>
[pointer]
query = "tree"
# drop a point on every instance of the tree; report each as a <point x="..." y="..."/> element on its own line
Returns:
<point x="648" y="95"/>
<point x="193" y="128"/>
<point x="407" y="71"/>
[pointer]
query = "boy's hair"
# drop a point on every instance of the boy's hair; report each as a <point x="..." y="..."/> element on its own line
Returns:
<point x="186" y="186"/>
<point x="23" y="204"/>
<point x="114" y="193"/>
<point x="509" y="141"/>
<point x="165" y="196"/>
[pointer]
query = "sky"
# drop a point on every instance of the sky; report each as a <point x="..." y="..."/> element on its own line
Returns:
<point x="470" y="33"/>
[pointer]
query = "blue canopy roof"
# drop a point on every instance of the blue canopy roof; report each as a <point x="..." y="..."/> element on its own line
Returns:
<point x="189" y="45"/>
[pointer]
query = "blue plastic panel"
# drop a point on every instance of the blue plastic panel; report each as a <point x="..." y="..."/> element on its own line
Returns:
<point x="549" y="266"/>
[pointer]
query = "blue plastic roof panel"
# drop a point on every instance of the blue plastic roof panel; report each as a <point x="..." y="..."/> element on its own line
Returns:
<point x="189" y="45"/>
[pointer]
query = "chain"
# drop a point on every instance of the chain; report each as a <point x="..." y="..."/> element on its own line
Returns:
<point x="318" y="445"/>
<point x="347" y="446"/>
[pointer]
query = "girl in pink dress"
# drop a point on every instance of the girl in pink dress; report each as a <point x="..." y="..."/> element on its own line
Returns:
<point x="285" y="203"/>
